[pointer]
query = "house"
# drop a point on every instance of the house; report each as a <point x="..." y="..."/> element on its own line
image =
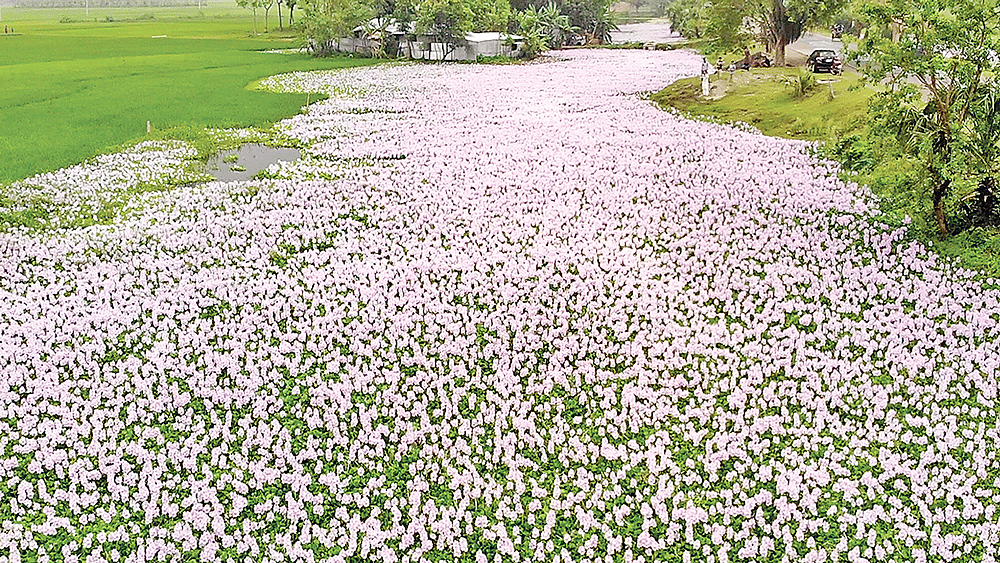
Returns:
<point x="485" y="44"/>
<point x="369" y="40"/>
<point x="393" y="40"/>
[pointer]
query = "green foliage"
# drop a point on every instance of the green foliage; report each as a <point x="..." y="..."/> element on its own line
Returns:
<point x="593" y="18"/>
<point x="547" y="24"/>
<point x="324" y="22"/>
<point x="254" y="6"/>
<point x="773" y="23"/>
<point x="534" y="44"/>
<point x="688" y="17"/>
<point x="489" y="15"/>
<point x="802" y="83"/>
<point x="581" y="13"/>
<point x="497" y="60"/>
<point x="725" y="28"/>
<point x="30" y="214"/>
<point x="446" y="20"/>
<point x="604" y="23"/>
<point x="935" y="62"/>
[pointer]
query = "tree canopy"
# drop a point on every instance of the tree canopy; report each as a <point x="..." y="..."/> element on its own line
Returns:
<point x="544" y="25"/>
<point x="446" y="20"/>
<point x="936" y="62"/>
<point x="323" y="22"/>
<point x="733" y="23"/>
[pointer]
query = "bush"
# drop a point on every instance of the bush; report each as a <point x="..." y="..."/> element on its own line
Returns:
<point x="802" y="83"/>
<point x="495" y="60"/>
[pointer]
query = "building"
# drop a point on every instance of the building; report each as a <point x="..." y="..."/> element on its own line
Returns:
<point x="393" y="41"/>
<point x="485" y="44"/>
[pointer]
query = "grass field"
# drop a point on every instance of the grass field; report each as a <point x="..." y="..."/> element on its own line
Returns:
<point x="69" y="91"/>
<point x="765" y="98"/>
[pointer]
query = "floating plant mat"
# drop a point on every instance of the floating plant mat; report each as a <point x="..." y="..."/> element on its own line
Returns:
<point x="249" y="159"/>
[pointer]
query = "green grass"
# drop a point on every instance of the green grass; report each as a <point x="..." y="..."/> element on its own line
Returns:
<point x="73" y="90"/>
<point x="763" y="98"/>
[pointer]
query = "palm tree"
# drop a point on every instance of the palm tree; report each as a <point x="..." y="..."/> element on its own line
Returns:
<point x="604" y="23"/>
<point x="553" y="25"/>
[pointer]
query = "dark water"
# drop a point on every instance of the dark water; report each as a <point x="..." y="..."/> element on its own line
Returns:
<point x="251" y="156"/>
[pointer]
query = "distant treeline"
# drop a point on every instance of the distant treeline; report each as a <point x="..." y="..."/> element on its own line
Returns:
<point x="100" y="3"/>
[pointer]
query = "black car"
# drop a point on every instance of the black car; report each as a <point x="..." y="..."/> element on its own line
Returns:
<point x="824" y="60"/>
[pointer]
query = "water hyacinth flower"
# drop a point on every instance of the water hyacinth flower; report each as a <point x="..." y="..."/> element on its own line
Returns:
<point x="494" y="312"/>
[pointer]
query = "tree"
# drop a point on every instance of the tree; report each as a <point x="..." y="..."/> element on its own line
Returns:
<point x="324" y="22"/>
<point x="291" y="11"/>
<point x="405" y="16"/>
<point x="266" y="5"/>
<point x="533" y="44"/>
<point x="489" y="15"/>
<point x="781" y="24"/>
<point x="548" y="23"/>
<point x="253" y="6"/>
<point x="636" y="4"/>
<point x="689" y="17"/>
<point x="445" y="20"/>
<point x="604" y="24"/>
<point x="581" y="13"/>
<point x="725" y="26"/>
<point x="593" y="18"/>
<point x="936" y="90"/>
<point x="776" y="23"/>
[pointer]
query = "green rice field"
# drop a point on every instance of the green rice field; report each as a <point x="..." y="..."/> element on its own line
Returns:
<point x="75" y="83"/>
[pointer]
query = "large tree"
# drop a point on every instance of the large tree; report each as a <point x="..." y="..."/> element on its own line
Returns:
<point x="324" y="22"/>
<point x="689" y="17"/>
<point x="447" y="21"/>
<point x="775" y="23"/>
<point x="936" y="62"/>
<point x="489" y="15"/>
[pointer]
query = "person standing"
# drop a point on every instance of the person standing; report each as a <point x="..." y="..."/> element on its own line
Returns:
<point x="706" y="88"/>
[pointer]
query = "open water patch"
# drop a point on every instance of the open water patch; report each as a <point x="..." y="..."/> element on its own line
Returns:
<point x="249" y="159"/>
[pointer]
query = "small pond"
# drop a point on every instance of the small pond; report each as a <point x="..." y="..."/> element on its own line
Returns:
<point x="248" y="160"/>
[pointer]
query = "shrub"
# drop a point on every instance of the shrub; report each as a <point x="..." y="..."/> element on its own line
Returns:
<point x="802" y="83"/>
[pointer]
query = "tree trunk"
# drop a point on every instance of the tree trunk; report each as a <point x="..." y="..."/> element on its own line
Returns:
<point x="783" y="31"/>
<point x="291" y="17"/>
<point x="279" y="17"/>
<point x="940" y="191"/>
<point x="779" y="52"/>
<point x="941" y="145"/>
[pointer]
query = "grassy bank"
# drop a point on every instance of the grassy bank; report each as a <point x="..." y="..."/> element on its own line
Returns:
<point x="767" y="99"/>
<point x="69" y="91"/>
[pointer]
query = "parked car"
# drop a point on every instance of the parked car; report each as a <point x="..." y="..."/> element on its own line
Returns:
<point x="825" y="60"/>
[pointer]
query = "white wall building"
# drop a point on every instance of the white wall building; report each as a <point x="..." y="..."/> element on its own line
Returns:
<point x="423" y="47"/>
<point x="486" y="44"/>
